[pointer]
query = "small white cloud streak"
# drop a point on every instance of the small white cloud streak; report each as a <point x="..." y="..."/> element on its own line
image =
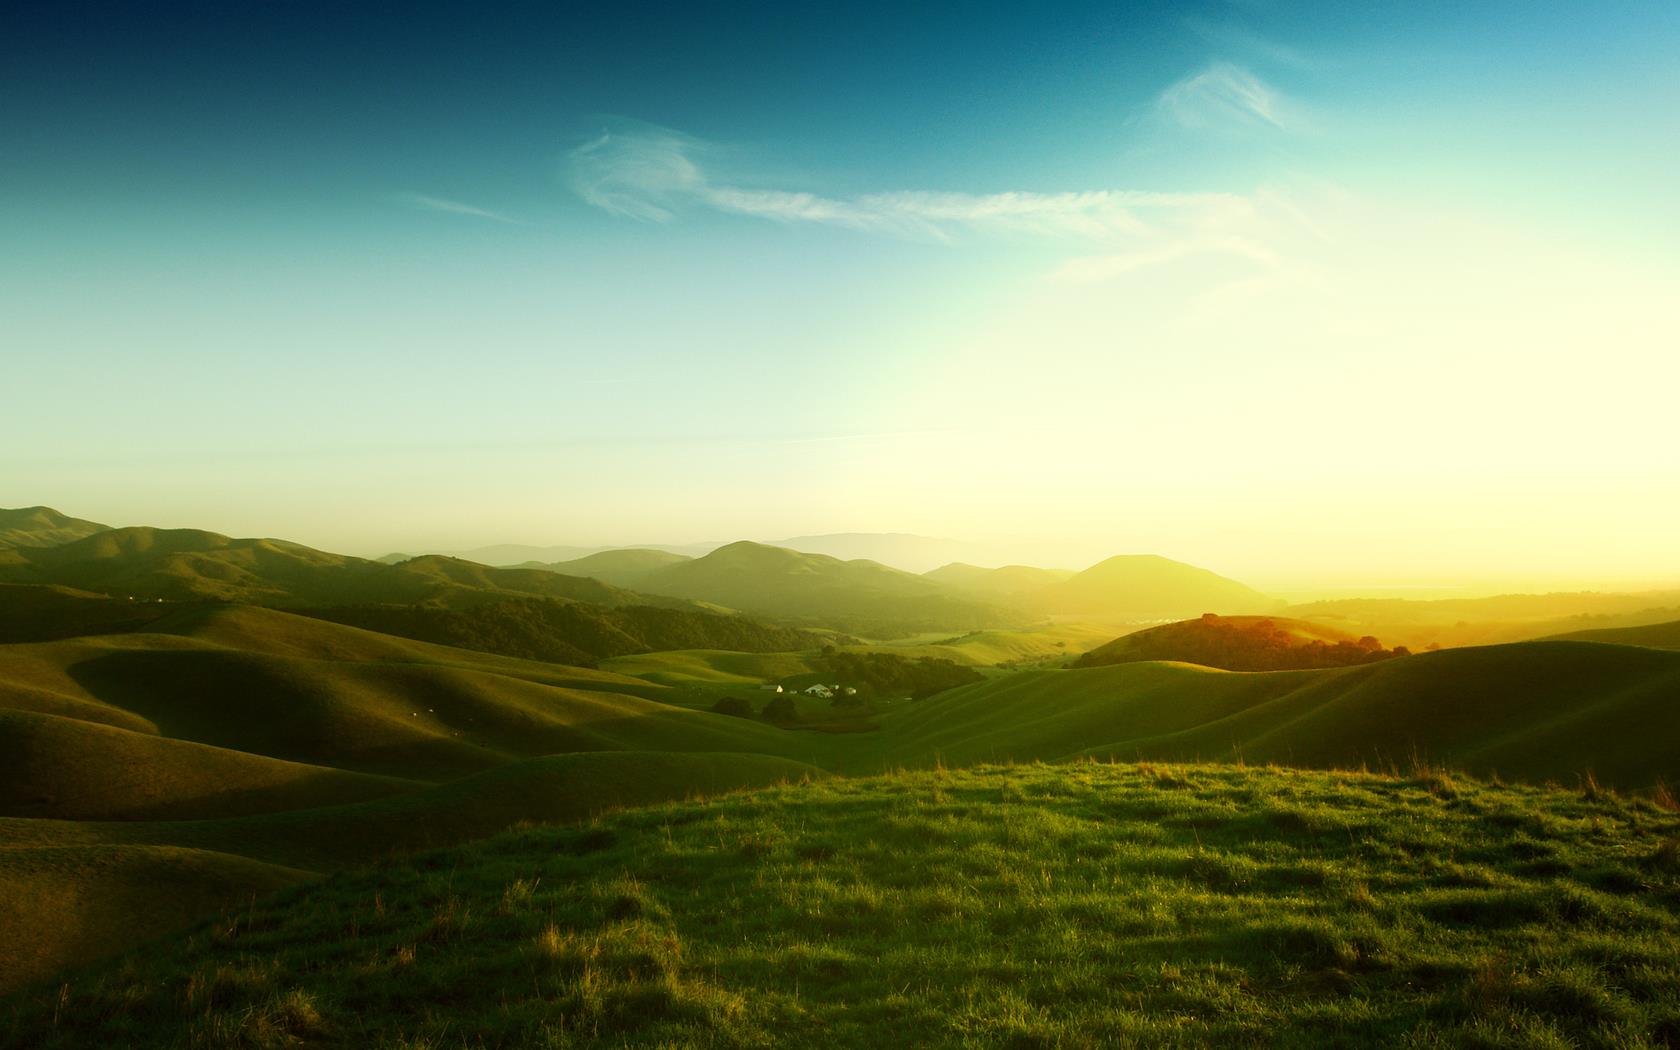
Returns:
<point x="439" y="204"/>
<point x="1225" y="95"/>
<point x="649" y="174"/>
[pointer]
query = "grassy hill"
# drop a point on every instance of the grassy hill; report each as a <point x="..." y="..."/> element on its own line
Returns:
<point x="42" y="527"/>
<point x="1240" y="643"/>
<point x="246" y="748"/>
<point x="1029" y="906"/>
<point x="189" y="564"/>
<point x="1134" y="588"/>
<point x="1652" y="636"/>
<point x="1535" y="711"/>
<point x="573" y="632"/>
<point x="861" y="597"/>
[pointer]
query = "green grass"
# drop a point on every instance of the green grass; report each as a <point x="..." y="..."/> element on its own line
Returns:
<point x="257" y="740"/>
<point x="1533" y="711"/>
<point x="1078" y="905"/>
<point x="1654" y="636"/>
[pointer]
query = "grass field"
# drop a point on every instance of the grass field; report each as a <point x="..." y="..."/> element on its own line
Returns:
<point x="236" y="750"/>
<point x="1069" y="905"/>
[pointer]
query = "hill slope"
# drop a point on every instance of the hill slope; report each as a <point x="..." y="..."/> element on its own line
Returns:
<point x="189" y="564"/>
<point x="1535" y="710"/>
<point x="621" y="568"/>
<point x="1652" y="636"/>
<point x="42" y="527"/>
<point x="1140" y="587"/>
<point x="1075" y="905"/>
<point x="1240" y="643"/>
<point x="1008" y="581"/>
<point x="863" y="597"/>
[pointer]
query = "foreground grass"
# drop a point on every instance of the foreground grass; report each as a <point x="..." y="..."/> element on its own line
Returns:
<point x="1028" y="906"/>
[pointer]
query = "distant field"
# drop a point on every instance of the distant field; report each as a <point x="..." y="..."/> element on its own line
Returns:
<point x="1077" y="905"/>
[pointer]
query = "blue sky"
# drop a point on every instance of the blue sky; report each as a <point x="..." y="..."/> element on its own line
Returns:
<point x="425" y="275"/>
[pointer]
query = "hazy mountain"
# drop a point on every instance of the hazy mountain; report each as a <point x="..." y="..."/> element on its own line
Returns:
<point x="862" y="596"/>
<point x="901" y="550"/>
<point x="43" y="527"/>
<point x="1007" y="581"/>
<point x="625" y="567"/>
<point x="1138" y="587"/>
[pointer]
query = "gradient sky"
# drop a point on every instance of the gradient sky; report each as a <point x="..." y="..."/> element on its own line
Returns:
<point x="1305" y="293"/>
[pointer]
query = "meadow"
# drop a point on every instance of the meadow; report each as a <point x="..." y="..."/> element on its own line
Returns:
<point x="1083" y="904"/>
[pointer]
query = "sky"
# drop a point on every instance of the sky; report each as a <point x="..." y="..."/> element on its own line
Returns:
<point x="1309" y="294"/>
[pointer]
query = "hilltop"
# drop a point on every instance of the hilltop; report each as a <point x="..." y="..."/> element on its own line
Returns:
<point x="1008" y="581"/>
<point x="862" y="597"/>
<point x="622" y="568"/>
<point x="1653" y="636"/>
<point x="1031" y="906"/>
<point x="190" y="564"/>
<point x="42" y="527"/>
<point x="1241" y="643"/>
<point x="1140" y="587"/>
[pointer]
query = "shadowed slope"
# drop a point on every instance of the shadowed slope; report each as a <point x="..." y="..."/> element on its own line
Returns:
<point x="69" y="769"/>
<point x="1532" y="710"/>
<point x="1651" y="636"/>
<point x="73" y="891"/>
<point x="66" y="905"/>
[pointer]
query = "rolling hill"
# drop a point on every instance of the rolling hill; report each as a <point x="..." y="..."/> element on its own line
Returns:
<point x="189" y="564"/>
<point x="1652" y="636"/>
<point x="861" y="597"/>
<point x="1534" y="711"/>
<point x="43" y="527"/>
<point x="1241" y="643"/>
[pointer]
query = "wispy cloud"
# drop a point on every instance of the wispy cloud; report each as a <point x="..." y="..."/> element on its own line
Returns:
<point x="651" y="174"/>
<point x="1229" y="37"/>
<point x="1226" y="95"/>
<point x="439" y="204"/>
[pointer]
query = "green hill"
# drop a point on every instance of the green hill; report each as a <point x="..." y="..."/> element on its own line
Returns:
<point x="188" y="564"/>
<point x="621" y="568"/>
<point x="572" y="632"/>
<point x="1652" y="636"/>
<point x="861" y="597"/>
<point x="1534" y="711"/>
<point x="1082" y="905"/>
<point x="1241" y="643"/>
<point x="1133" y="588"/>
<point x="42" y="527"/>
